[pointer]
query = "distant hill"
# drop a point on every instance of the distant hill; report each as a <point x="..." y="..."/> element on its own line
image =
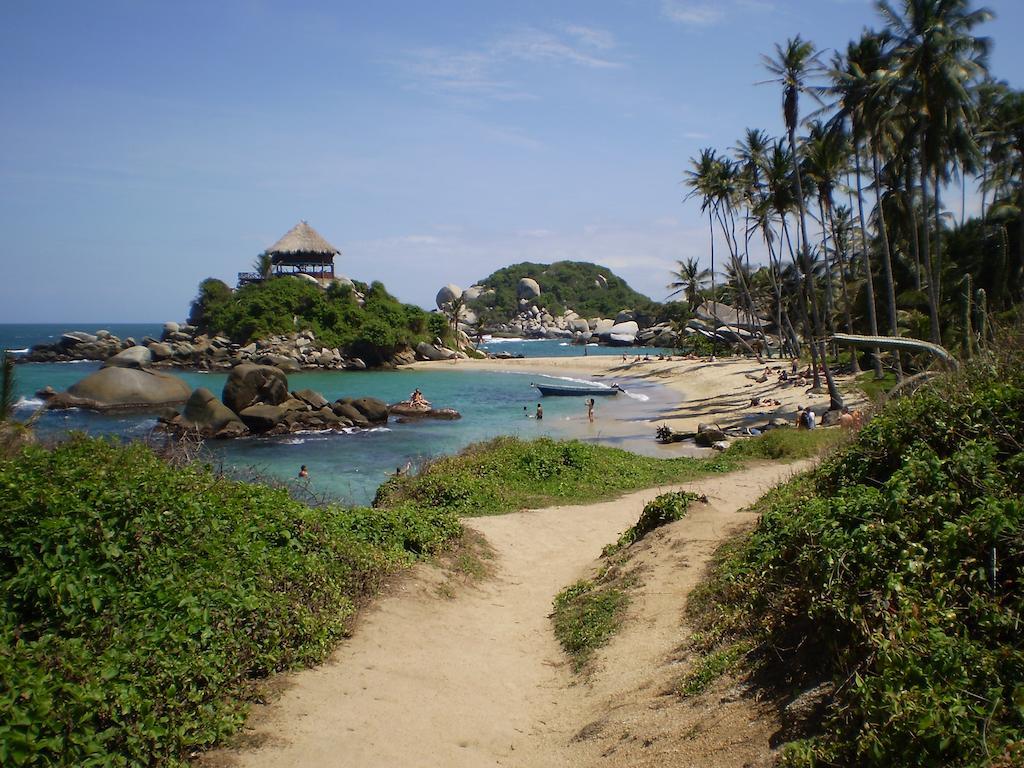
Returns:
<point x="591" y="290"/>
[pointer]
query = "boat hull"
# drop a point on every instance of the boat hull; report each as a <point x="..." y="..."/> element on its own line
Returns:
<point x="555" y="390"/>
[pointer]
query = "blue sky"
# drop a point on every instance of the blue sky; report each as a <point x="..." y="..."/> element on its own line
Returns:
<point x="147" y="145"/>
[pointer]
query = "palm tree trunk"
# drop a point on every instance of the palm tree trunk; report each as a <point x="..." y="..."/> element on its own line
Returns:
<point x="933" y="300"/>
<point x="890" y="285"/>
<point x="872" y="317"/>
<point x="847" y="314"/>
<point x="937" y="255"/>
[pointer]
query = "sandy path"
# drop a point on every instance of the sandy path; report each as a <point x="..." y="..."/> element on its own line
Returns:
<point x="478" y="679"/>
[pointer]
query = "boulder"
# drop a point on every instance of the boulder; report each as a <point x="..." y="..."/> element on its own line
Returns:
<point x="262" y="417"/>
<point x="315" y="400"/>
<point x="170" y="328"/>
<point x="375" y="411"/>
<point x="281" y="362"/>
<point x="356" y="364"/>
<point x="602" y="326"/>
<point x="579" y="324"/>
<point x="347" y="411"/>
<point x="447" y="295"/>
<point x="624" y="316"/>
<point x="426" y="351"/>
<point x="403" y="356"/>
<point x="527" y="289"/>
<point x="158" y="350"/>
<point x="203" y="411"/>
<point x="249" y="385"/>
<point x="133" y="357"/>
<point x="474" y="292"/>
<point x="621" y="334"/>
<point x="74" y="338"/>
<point x="123" y="388"/>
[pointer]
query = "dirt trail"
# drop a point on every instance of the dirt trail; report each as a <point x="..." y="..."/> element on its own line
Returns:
<point x="478" y="679"/>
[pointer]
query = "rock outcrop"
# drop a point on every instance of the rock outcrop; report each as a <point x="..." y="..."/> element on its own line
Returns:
<point x="117" y="388"/>
<point x="250" y="385"/>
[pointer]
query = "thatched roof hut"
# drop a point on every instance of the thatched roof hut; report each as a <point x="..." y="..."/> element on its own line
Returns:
<point x="303" y="249"/>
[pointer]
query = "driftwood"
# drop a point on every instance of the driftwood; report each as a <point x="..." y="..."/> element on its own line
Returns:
<point x="899" y="343"/>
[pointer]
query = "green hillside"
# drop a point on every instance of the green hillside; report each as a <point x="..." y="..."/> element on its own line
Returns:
<point x="591" y="290"/>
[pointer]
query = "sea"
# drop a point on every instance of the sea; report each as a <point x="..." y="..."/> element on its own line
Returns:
<point x="349" y="467"/>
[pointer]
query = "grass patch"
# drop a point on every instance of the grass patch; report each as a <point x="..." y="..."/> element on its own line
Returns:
<point x="507" y="474"/>
<point x="586" y="616"/>
<point x="711" y="666"/>
<point x="896" y="569"/>
<point x="785" y="444"/>
<point x="141" y="601"/>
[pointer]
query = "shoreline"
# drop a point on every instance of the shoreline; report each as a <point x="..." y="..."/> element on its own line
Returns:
<point x="718" y="392"/>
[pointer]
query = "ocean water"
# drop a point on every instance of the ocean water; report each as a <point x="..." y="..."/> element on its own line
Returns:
<point x="350" y="467"/>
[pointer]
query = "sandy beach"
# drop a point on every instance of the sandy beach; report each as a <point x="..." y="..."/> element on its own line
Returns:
<point x="717" y="392"/>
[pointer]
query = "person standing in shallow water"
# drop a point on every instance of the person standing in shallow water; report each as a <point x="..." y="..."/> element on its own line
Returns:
<point x="590" y="409"/>
<point x="540" y="411"/>
<point x="303" y="472"/>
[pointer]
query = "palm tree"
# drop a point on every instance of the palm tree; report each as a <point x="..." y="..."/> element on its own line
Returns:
<point x="935" y="59"/>
<point x="793" y="64"/>
<point x="263" y="265"/>
<point x="1007" y="175"/>
<point x="701" y="180"/>
<point x="689" y="280"/>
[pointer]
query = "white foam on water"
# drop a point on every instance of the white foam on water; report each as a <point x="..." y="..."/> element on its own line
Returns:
<point x="293" y="441"/>
<point x="18" y="351"/>
<point x="25" y="403"/>
<point x="636" y="396"/>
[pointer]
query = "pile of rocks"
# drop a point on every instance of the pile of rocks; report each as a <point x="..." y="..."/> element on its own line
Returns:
<point x="78" y="345"/>
<point x="183" y="346"/>
<point x="256" y="400"/>
<point x="533" y="321"/>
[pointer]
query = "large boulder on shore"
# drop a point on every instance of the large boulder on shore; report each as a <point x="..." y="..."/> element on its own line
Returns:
<point x="528" y="289"/>
<point x="123" y="388"/>
<point x="249" y="385"/>
<point x="426" y="351"/>
<point x="447" y="295"/>
<point x="133" y="357"/>
<point x="262" y="417"/>
<point x="205" y="413"/>
<point x="375" y="411"/>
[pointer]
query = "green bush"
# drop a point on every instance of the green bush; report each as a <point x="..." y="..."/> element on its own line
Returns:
<point x="285" y="304"/>
<point x="586" y="615"/>
<point x="141" y="600"/>
<point x="507" y="474"/>
<point x="895" y="568"/>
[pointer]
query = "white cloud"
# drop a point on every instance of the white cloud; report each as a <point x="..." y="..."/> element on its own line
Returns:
<point x="489" y="71"/>
<point x="691" y="13"/>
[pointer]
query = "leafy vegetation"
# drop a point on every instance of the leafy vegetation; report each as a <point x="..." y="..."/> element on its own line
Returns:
<point x="589" y="289"/>
<point x="372" y="330"/>
<point x="895" y="570"/>
<point x="663" y="510"/>
<point x="586" y="616"/>
<point x="711" y="666"/>
<point x="507" y="474"/>
<point x="140" y="600"/>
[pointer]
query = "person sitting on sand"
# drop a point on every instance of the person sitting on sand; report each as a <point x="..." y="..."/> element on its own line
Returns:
<point x="801" y="423"/>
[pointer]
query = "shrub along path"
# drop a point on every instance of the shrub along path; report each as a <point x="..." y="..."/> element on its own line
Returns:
<point x="478" y="679"/>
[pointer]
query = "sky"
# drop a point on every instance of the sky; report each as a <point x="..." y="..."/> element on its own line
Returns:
<point x="145" y="146"/>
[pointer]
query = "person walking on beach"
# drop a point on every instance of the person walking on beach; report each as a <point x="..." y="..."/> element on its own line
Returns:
<point x="590" y="409"/>
<point x="540" y="411"/>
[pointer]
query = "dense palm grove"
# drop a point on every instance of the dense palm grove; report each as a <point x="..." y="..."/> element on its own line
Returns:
<point x="852" y="205"/>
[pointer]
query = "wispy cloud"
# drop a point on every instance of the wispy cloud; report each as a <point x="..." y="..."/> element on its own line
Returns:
<point x="489" y="71"/>
<point x="699" y="13"/>
<point x="691" y="13"/>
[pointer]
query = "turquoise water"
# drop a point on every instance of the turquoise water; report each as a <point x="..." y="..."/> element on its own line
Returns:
<point x="350" y="467"/>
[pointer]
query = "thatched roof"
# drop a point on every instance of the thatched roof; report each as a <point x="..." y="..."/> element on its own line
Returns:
<point x="302" y="239"/>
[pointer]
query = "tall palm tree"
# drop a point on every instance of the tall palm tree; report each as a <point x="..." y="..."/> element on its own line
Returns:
<point x="852" y="85"/>
<point x="1006" y="180"/>
<point x="701" y="180"/>
<point x="935" y="60"/>
<point x="792" y="66"/>
<point x="689" y="279"/>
